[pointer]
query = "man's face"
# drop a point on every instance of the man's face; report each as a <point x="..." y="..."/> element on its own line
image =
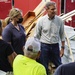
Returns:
<point x="51" y="11"/>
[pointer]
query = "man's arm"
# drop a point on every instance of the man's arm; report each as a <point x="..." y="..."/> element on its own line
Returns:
<point x="38" y="30"/>
<point x="62" y="37"/>
<point x="62" y="49"/>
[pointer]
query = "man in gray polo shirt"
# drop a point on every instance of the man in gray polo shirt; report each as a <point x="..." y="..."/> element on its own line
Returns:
<point x="49" y="29"/>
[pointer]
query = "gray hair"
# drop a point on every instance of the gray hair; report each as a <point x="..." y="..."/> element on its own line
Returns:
<point x="30" y="54"/>
<point x="32" y="47"/>
<point x="50" y="4"/>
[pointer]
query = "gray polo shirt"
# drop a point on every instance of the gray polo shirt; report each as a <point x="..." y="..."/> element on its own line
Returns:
<point x="50" y="31"/>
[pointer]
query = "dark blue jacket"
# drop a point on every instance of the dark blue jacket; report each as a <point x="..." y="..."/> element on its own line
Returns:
<point x="66" y="69"/>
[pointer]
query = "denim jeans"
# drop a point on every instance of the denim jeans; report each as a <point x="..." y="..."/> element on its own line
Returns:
<point x="50" y="52"/>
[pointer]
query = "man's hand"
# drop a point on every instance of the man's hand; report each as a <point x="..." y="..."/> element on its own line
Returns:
<point x="61" y="52"/>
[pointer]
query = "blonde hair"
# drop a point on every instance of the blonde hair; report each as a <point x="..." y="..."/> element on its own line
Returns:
<point x="14" y="12"/>
<point x="30" y="54"/>
<point x="7" y="20"/>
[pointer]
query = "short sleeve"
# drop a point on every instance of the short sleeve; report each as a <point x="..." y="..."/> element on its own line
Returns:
<point x="38" y="29"/>
<point x="6" y="35"/>
<point x="9" y="50"/>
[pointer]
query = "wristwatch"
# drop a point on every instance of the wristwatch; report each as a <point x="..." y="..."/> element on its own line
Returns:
<point x="62" y="47"/>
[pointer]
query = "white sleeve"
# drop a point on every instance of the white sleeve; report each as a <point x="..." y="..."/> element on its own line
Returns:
<point x="38" y="28"/>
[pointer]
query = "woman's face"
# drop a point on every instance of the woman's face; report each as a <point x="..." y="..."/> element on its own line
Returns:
<point x="19" y="18"/>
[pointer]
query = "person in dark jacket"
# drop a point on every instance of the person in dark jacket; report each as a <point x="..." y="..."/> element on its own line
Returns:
<point x="66" y="69"/>
<point x="6" y="54"/>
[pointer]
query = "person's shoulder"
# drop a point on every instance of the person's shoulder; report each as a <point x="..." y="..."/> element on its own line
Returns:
<point x="58" y="70"/>
<point x="42" y="18"/>
<point x="69" y="65"/>
<point x="21" y="26"/>
<point x="8" y="27"/>
<point x="64" y="67"/>
<point x="18" y="57"/>
<point x="58" y="17"/>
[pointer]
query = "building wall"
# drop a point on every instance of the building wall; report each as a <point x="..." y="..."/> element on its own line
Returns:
<point x="26" y="5"/>
<point x="5" y="6"/>
<point x="30" y="5"/>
